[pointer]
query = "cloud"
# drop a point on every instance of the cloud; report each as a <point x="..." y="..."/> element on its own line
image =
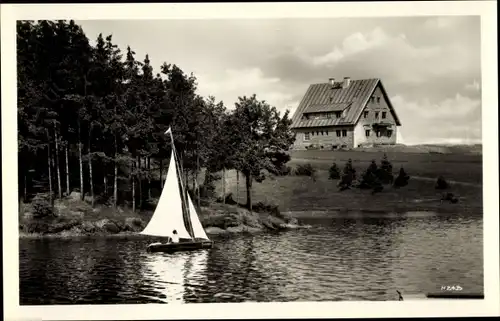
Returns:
<point x="431" y="64"/>
<point x="442" y="22"/>
<point x="234" y="83"/>
<point x="474" y="86"/>
<point x="456" y="119"/>
<point x="377" y="40"/>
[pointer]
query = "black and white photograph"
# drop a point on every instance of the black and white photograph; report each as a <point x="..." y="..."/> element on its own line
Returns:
<point x="161" y="156"/>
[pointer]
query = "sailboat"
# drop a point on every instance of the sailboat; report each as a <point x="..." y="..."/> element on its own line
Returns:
<point x="175" y="212"/>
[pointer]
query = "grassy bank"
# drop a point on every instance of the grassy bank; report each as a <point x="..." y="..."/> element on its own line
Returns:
<point x="304" y="193"/>
<point x="73" y="217"/>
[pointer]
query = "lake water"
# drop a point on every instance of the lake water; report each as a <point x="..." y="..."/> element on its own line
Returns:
<point x="342" y="258"/>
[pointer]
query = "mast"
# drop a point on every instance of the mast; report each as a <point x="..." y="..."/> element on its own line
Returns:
<point x="183" y="192"/>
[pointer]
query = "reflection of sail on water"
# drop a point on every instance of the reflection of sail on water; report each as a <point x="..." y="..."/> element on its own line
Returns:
<point x="196" y="268"/>
<point x="173" y="276"/>
<point x="166" y="273"/>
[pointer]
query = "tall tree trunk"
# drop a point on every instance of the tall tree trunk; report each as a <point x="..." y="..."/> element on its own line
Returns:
<point x="248" y="179"/>
<point x="81" y="161"/>
<point x="149" y="177"/>
<point x="132" y="176"/>
<point x="25" y="188"/>
<point x="196" y="180"/>
<point x="49" y="163"/>
<point x="139" y="180"/>
<point x="67" y="169"/>
<point x="58" y="169"/>
<point x="90" y="173"/>
<point x="237" y="187"/>
<point x="224" y="186"/>
<point x="105" y="179"/>
<point x="161" y="173"/>
<point x="115" y="178"/>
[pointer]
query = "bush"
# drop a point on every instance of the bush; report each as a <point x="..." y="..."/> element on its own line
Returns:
<point x="346" y="181"/>
<point x="349" y="169"/>
<point x="264" y="208"/>
<point x="42" y="206"/>
<point x="369" y="177"/>
<point x="441" y="183"/>
<point x="305" y="170"/>
<point x="283" y="170"/>
<point x="228" y="199"/>
<point x="384" y="173"/>
<point x="207" y="190"/>
<point x="334" y="172"/>
<point x="402" y="179"/>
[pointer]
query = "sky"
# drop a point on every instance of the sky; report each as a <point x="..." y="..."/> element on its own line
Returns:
<point x="430" y="66"/>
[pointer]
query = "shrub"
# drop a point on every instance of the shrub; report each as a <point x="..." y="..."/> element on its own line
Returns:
<point x="346" y="181"/>
<point x="207" y="190"/>
<point x="284" y="170"/>
<point x="42" y="206"/>
<point x="305" y="170"/>
<point x="334" y="172"/>
<point x="402" y="179"/>
<point x="228" y="199"/>
<point x="369" y="177"/>
<point x="441" y="183"/>
<point x="349" y="169"/>
<point x="384" y="173"/>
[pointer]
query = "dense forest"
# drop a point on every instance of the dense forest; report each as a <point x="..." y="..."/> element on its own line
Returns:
<point x="92" y="119"/>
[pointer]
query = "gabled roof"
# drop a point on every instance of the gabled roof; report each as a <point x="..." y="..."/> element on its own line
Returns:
<point x="356" y="95"/>
<point x="320" y="108"/>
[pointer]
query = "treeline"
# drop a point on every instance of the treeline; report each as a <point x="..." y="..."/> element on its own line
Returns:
<point x="93" y="119"/>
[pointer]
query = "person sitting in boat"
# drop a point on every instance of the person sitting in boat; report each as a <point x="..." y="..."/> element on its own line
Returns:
<point x="175" y="237"/>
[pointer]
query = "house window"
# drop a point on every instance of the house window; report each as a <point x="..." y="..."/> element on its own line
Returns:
<point x="384" y="114"/>
<point x="326" y="132"/>
<point x="378" y="100"/>
<point x="389" y="133"/>
<point x="338" y="133"/>
<point x="378" y="133"/>
<point x="365" y="114"/>
<point x="376" y="114"/>
<point x="372" y="99"/>
<point x="367" y="133"/>
<point x="322" y="133"/>
<point x="344" y="132"/>
<point x="307" y="137"/>
<point x="312" y="133"/>
<point x="338" y="114"/>
<point x="328" y="115"/>
<point x="317" y="133"/>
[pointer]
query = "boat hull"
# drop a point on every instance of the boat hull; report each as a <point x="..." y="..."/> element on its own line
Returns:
<point x="180" y="247"/>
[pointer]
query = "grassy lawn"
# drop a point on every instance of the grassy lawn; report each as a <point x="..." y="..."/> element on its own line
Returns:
<point x="457" y="167"/>
<point x="302" y="193"/>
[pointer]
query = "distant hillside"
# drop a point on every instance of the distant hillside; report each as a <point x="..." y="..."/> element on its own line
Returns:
<point x="476" y="149"/>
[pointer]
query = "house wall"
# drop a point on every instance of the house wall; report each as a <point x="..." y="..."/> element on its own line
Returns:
<point x="373" y="107"/>
<point x="328" y="139"/>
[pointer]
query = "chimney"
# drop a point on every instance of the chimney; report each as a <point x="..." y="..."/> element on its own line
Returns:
<point x="347" y="82"/>
<point x="332" y="82"/>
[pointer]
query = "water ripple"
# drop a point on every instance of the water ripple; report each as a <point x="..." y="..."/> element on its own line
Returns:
<point x="338" y="259"/>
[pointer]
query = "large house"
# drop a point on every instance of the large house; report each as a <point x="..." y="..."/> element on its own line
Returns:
<point x="345" y="114"/>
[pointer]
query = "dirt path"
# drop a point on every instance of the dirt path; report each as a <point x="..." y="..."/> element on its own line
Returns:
<point x="420" y="178"/>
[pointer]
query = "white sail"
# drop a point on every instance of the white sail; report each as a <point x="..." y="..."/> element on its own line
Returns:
<point x="168" y="215"/>
<point x="198" y="230"/>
